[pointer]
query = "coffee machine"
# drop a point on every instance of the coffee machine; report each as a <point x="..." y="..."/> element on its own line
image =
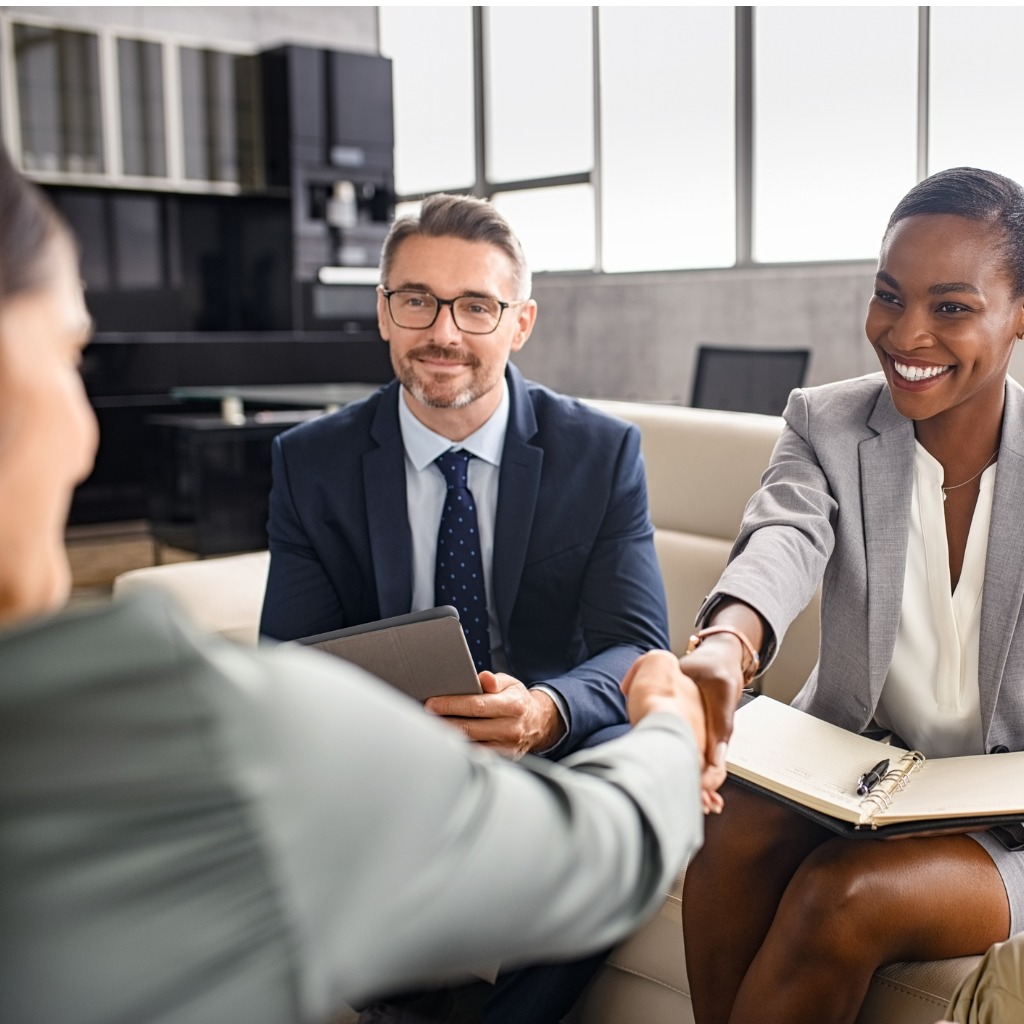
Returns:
<point x="329" y="139"/>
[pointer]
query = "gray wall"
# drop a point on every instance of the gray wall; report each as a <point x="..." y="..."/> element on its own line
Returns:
<point x="342" y="28"/>
<point x="635" y="336"/>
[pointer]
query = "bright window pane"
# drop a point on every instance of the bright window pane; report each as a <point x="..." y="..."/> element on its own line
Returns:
<point x="975" y="89"/>
<point x="835" y="128"/>
<point x="432" y="50"/>
<point x="539" y="92"/>
<point x="407" y="209"/>
<point x="667" y="138"/>
<point x="554" y="225"/>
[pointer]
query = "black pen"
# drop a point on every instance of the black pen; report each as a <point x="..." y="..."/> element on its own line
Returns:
<point x="869" y="780"/>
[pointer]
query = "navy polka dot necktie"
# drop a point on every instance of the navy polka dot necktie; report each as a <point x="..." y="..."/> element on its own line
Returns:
<point x="459" y="572"/>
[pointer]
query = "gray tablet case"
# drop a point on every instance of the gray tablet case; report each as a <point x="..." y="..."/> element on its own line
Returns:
<point x="424" y="654"/>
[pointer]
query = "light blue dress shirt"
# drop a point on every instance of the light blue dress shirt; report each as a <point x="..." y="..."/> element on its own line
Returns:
<point x="425" y="491"/>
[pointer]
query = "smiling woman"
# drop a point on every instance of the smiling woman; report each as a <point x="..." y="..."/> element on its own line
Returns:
<point x="898" y="493"/>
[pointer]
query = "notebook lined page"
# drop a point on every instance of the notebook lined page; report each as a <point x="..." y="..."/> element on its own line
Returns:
<point x="799" y="756"/>
<point x="955" y="786"/>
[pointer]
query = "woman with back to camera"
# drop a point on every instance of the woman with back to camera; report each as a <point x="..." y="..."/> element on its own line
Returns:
<point x="902" y="493"/>
<point x="192" y="832"/>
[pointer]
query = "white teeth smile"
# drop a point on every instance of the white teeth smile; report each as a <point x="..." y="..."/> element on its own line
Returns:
<point x="919" y="372"/>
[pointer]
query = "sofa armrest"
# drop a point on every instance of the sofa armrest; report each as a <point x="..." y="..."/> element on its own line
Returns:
<point x="220" y="595"/>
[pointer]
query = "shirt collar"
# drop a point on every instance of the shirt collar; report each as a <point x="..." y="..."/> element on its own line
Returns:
<point x="423" y="445"/>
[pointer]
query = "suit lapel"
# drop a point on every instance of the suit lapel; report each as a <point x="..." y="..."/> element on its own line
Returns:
<point x="386" y="509"/>
<point x="1004" y="577"/>
<point x="886" y="468"/>
<point x="518" y="488"/>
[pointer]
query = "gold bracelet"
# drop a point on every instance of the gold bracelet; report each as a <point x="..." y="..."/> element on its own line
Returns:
<point x="750" y="670"/>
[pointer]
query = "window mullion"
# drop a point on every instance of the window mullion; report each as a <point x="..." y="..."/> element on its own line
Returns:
<point x="923" y="91"/>
<point x="744" y="136"/>
<point x="595" y="173"/>
<point x="480" y="186"/>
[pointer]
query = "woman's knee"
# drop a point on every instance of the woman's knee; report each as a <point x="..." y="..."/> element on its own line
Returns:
<point x="833" y="903"/>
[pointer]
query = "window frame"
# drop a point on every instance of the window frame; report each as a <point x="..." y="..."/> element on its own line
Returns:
<point x="744" y="38"/>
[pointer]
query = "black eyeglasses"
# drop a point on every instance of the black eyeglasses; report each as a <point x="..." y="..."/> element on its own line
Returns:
<point x="472" y="314"/>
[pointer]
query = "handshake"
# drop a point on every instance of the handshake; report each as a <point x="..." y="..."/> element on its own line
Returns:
<point x="656" y="682"/>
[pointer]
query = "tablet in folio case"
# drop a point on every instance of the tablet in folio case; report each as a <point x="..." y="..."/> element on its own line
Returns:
<point x="424" y="654"/>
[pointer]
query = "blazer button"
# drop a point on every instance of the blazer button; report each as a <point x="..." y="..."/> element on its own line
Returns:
<point x="1000" y="748"/>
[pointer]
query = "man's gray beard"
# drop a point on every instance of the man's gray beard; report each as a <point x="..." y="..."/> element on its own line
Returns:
<point x="463" y="398"/>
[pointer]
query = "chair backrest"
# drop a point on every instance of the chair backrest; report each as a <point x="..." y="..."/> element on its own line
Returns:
<point x="747" y="379"/>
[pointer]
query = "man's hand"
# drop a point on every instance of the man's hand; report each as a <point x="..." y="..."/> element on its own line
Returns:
<point x="507" y="716"/>
<point x="655" y="682"/>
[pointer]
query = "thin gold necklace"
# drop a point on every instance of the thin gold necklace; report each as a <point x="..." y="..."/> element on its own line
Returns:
<point x="953" y="487"/>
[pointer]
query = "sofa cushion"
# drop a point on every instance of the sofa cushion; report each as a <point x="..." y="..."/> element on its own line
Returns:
<point x="702" y="464"/>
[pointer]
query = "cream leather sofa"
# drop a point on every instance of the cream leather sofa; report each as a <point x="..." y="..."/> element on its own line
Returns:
<point x="701" y="467"/>
<point x="222" y="595"/>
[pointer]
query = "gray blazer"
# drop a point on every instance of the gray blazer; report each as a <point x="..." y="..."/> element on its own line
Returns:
<point x="196" y="832"/>
<point x="834" y="508"/>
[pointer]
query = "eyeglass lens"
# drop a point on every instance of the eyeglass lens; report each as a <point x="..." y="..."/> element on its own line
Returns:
<point x="417" y="310"/>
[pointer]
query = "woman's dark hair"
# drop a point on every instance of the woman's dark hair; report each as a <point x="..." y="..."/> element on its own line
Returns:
<point x="28" y="225"/>
<point x="977" y="195"/>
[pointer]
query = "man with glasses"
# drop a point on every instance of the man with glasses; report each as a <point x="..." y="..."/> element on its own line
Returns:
<point x="571" y="592"/>
<point x="462" y="483"/>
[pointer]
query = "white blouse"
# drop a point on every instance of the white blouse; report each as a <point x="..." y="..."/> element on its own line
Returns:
<point x="930" y="697"/>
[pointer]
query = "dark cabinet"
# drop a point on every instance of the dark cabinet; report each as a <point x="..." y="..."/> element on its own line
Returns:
<point x="209" y="482"/>
<point x="222" y="289"/>
<point x="360" y="128"/>
<point x="327" y="109"/>
<point x="129" y="379"/>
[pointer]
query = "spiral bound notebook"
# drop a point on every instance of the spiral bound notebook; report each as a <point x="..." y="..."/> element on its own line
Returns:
<point x="815" y="767"/>
<point x="423" y="654"/>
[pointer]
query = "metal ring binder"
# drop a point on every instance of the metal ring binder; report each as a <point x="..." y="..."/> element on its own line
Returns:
<point x="894" y="781"/>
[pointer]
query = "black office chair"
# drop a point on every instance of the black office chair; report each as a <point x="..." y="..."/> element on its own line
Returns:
<point x="747" y="379"/>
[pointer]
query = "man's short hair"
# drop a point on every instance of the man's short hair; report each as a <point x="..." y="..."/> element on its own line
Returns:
<point x="465" y="217"/>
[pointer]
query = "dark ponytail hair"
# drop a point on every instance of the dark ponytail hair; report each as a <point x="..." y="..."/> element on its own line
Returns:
<point x="28" y="226"/>
<point x="977" y="195"/>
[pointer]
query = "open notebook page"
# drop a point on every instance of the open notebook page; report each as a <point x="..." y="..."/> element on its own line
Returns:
<point x="952" y="787"/>
<point x="818" y="765"/>
<point x="798" y="756"/>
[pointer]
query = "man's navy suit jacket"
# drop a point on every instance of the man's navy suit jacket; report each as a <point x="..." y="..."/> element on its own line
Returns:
<point x="576" y="581"/>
